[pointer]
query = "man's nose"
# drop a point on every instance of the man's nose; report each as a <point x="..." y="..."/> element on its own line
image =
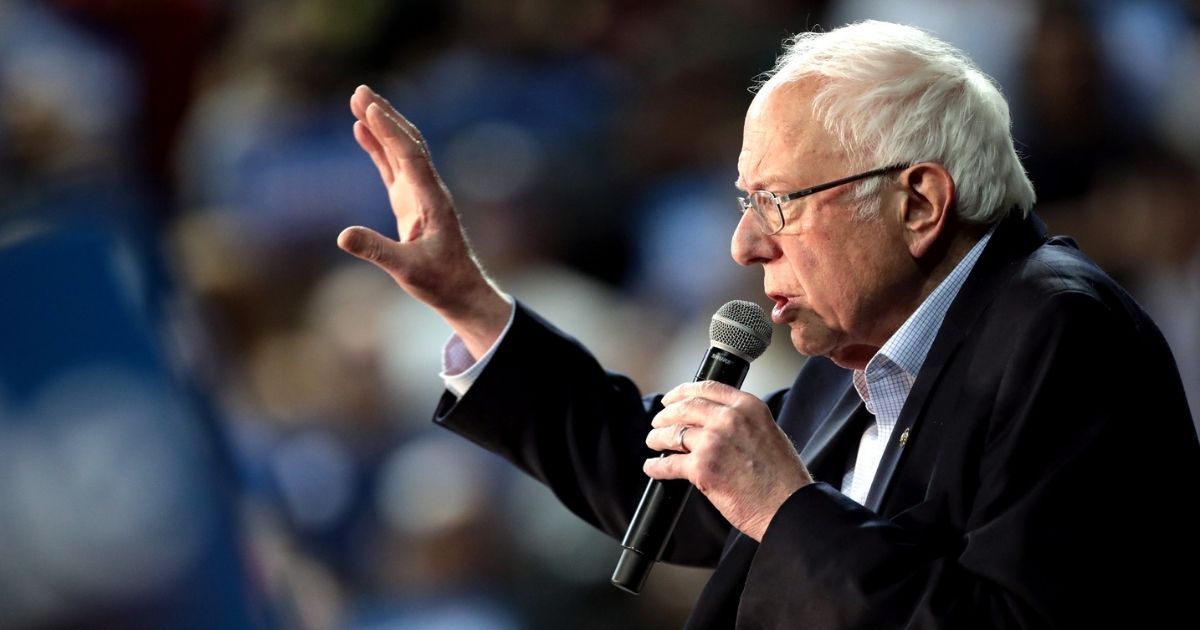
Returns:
<point x="750" y="246"/>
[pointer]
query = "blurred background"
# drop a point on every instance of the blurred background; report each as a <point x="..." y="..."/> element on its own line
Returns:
<point x="210" y="417"/>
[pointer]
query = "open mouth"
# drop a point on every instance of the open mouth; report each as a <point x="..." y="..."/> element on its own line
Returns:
<point x="777" y="311"/>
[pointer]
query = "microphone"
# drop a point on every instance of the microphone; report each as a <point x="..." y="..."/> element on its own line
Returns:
<point x="739" y="333"/>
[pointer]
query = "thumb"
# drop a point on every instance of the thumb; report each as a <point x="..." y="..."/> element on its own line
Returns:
<point x="371" y="246"/>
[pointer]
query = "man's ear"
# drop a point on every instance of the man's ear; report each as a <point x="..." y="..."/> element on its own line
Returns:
<point x="927" y="207"/>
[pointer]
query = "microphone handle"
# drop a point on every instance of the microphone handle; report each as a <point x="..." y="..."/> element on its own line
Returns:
<point x="663" y="500"/>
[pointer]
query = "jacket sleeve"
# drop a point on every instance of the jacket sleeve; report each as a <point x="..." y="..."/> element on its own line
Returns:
<point x="1077" y="511"/>
<point x="545" y="404"/>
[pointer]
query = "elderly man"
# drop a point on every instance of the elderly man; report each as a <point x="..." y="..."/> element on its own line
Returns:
<point x="990" y="433"/>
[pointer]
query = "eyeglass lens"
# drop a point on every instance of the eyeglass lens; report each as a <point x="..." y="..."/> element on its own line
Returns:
<point x="768" y="212"/>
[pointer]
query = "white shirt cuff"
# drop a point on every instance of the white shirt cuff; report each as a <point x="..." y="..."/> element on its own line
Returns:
<point x="459" y="368"/>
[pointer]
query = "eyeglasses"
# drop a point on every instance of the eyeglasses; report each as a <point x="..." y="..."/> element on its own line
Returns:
<point x="767" y="205"/>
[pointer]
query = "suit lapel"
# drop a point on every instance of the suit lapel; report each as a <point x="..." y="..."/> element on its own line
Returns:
<point x="825" y="452"/>
<point x="1014" y="237"/>
<point x="819" y="415"/>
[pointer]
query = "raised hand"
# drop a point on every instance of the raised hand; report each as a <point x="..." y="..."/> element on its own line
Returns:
<point x="431" y="259"/>
<point x="732" y="451"/>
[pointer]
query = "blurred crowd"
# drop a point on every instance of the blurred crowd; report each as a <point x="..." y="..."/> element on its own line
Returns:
<point x="212" y="417"/>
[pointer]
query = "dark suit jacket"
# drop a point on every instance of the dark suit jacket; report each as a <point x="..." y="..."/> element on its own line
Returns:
<point x="1038" y="477"/>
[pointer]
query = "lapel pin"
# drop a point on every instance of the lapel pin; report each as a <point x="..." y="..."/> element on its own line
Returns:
<point x="904" y="437"/>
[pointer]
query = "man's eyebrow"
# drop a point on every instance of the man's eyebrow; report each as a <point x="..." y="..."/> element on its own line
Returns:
<point x="750" y="186"/>
<point x="766" y="183"/>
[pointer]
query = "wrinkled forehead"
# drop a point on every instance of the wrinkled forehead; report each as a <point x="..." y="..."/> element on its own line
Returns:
<point x="781" y="136"/>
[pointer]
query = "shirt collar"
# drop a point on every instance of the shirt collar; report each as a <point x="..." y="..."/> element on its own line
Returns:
<point x="909" y="345"/>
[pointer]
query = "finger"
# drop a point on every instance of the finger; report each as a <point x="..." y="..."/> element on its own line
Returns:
<point x="364" y="97"/>
<point x="372" y="247"/>
<point x="669" y="467"/>
<point x="360" y="99"/>
<point x="712" y="390"/>
<point x="400" y="147"/>
<point x="405" y="153"/>
<point x="366" y="140"/>
<point x="396" y="116"/>
<point x="667" y="438"/>
<point x="693" y="411"/>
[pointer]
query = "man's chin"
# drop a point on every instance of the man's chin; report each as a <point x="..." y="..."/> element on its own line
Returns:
<point x="811" y="345"/>
<point x="851" y="357"/>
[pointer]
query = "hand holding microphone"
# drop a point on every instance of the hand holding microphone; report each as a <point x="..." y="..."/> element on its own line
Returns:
<point x="722" y="440"/>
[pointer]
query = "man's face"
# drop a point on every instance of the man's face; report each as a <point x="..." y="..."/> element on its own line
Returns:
<point x="838" y="283"/>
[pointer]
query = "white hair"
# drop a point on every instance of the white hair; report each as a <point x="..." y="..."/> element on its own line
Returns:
<point x="894" y="94"/>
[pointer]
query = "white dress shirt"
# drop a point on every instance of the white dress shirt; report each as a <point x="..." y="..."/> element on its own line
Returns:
<point x="889" y="376"/>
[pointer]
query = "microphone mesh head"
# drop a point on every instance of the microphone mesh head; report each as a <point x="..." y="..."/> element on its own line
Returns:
<point x="741" y="327"/>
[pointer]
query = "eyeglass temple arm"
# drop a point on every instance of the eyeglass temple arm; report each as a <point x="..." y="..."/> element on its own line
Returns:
<point x="838" y="182"/>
